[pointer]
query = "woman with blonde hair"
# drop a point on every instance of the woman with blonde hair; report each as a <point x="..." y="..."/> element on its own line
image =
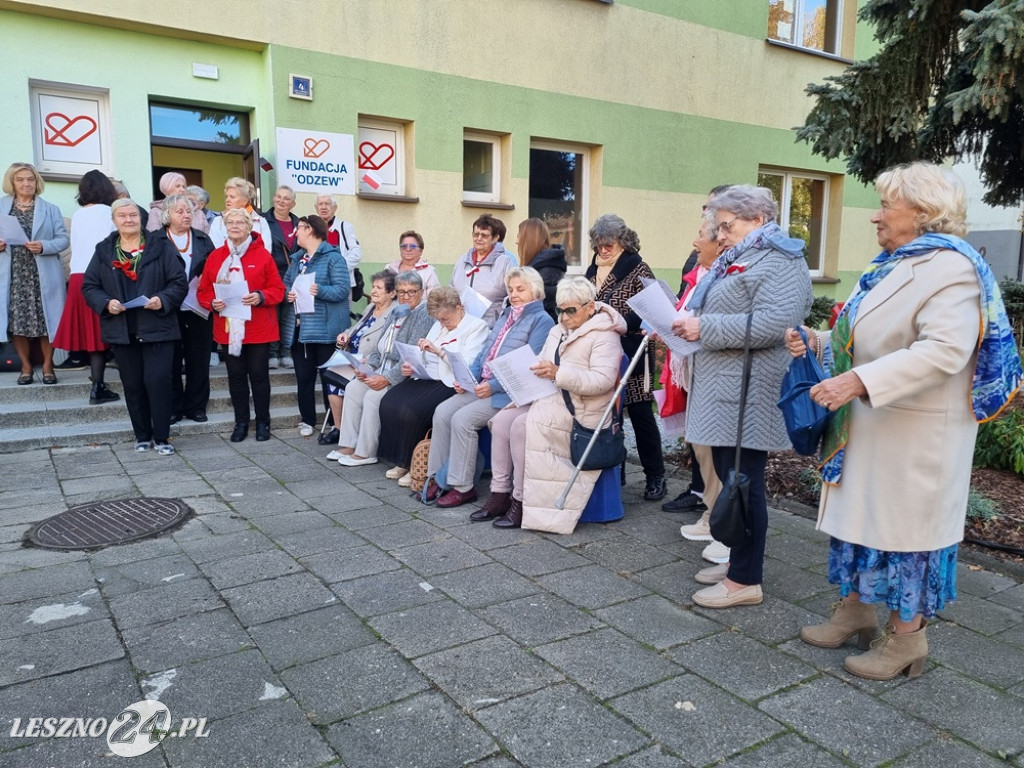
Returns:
<point x="239" y="193"/>
<point x="536" y="251"/>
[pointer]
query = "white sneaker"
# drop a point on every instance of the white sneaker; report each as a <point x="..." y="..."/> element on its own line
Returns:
<point x="214" y="359"/>
<point x="274" y="363"/>
<point x="699" y="531"/>
<point x="396" y="472"/>
<point x="405" y="480"/>
<point x="305" y="430"/>
<point x="334" y="455"/>
<point x="287" y="362"/>
<point x="716" y="552"/>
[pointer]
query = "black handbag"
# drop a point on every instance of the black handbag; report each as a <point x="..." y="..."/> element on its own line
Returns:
<point x="609" y="448"/>
<point x="806" y="420"/>
<point x="730" y="520"/>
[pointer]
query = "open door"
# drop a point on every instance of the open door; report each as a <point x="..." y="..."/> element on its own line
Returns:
<point x="251" y="170"/>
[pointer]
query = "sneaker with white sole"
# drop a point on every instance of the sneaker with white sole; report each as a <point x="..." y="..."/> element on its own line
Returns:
<point x="305" y="430"/>
<point x="274" y="363"/>
<point x="334" y="455"/>
<point x="165" y="449"/>
<point x="699" y="531"/>
<point x="396" y="472"/>
<point x="287" y="362"/>
<point x="405" y="480"/>
<point x="716" y="552"/>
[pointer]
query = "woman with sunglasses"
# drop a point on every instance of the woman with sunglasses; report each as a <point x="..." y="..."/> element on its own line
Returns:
<point x="410" y="258"/>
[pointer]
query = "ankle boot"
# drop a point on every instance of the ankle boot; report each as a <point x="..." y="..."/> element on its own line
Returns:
<point x="891" y="654"/>
<point x="847" y="619"/>
<point x="496" y="505"/>
<point x="513" y="518"/>
<point x="101" y="393"/>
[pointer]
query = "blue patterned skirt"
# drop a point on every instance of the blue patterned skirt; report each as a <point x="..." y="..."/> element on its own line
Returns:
<point x="910" y="583"/>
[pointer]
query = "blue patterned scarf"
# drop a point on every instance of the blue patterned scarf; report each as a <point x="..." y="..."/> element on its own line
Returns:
<point x="997" y="374"/>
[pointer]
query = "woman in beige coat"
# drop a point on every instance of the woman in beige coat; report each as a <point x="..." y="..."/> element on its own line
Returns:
<point x="588" y="342"/>
<point x="912" y="377"/>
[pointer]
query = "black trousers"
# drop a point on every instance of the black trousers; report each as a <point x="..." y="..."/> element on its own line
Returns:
<point x="746" y="562"/>
<point x="194" y="351"/>
<point x="307" y="358"/>
<point x="696" y="478"/>
<point x="648" y="438"/>
<point x="145" y="370"/>
<point x="251" y="369"/>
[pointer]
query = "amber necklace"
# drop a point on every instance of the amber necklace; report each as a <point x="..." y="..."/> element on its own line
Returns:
<point x="188" y="241"/>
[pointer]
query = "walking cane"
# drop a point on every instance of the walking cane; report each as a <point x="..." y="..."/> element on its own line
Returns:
<point x="560" y="501"/>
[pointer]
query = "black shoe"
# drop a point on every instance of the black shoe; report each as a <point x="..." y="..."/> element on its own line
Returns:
<point x="656" y="488"/>
<point x="241" y="432"/>
<point x="262" y="432"/>
<point x="684" y="502"/>
<point x="329" y="438"/>
<point x="199" y="416"/>
<point x="72" y="364"/>
<point x="101" y="393"/>
<point x="176" y="417"/>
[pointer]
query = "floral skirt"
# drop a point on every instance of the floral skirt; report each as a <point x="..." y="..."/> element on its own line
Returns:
<point x="910" y="583"/>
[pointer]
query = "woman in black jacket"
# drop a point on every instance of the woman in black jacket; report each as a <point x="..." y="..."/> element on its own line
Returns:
<point x="535" y="250"/>
<point x="124" y="270"/>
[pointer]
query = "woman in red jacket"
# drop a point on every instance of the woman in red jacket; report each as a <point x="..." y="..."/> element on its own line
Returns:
<point x="244" y="259"/>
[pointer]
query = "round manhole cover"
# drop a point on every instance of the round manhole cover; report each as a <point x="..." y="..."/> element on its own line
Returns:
<point x="108" y="522"/>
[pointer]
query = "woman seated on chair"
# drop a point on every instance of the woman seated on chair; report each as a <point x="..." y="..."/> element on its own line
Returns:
<point x="361" y="341"/>
<point x="530" y="445"/>
<point x="408" y="409"/>
<point x="458" y="420"/>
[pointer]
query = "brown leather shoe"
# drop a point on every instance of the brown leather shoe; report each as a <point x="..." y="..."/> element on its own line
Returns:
<point x="456" y="498"/>
<point x="513" y="518"/>
<point x="497" y="504"/>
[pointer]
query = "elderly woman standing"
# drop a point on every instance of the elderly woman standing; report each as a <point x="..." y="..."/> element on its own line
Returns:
<point x="459" y="419"/>
<point x="410" y="257"/>
<point x="360" y="420"/>
<point x="124" y="268"/>
<point x="314" y="334"/>
<point x="921" y="352"/>
<point x="761" y="274"/>
<point x="247" y="342"/>
<point x="530" y="446"/>
<point x="31" y="277"/>
<point x="536" y="250"/>
<point x="79" y="326"/>
<point x="616" y="272"/>
<point x="173" y="183"/>
<point x="239" y="193"/>
<point x="193" y="247"/>
<point x="407" y="410"/>
<point x="483" y="266"/>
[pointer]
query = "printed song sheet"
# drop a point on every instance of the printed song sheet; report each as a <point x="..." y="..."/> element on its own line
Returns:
<point x="475" y="303"/>
<point x="304" y="300"/>
<point x="231" y="294"/>
<point x="191" y="301"/>
<point x="137" y="303"/>
<point x="412" y="357"/>
<point x="346" y="359"/>
<point x="658" y="311"/>
<point x="11" y="231"/>
<point x="519" y="382"/>
<point x="460" y="370"/>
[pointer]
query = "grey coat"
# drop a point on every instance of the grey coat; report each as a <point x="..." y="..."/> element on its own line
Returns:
<point x="777" y="289"/>
<point x="414" y="327"/>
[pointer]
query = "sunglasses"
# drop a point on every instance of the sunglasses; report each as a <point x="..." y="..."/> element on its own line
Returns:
<point x="570" y="311"/>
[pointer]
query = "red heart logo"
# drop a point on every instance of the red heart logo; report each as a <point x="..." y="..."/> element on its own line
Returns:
<point x="373" y="157"/>
<point x="314" y="148"/>
<point x="68" y="131"/>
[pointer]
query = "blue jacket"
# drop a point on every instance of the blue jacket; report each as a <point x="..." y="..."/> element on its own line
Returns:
<point x="531" y="328"/>
<point x="330" y="309"/>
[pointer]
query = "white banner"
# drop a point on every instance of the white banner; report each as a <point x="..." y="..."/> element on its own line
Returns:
<point x="314" y="161"/>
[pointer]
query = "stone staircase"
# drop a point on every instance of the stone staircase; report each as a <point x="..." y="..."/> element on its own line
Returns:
<point x="39" y="416"/>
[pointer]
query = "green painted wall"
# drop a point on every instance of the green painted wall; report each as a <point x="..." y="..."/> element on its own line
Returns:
<point x="740" y="17"/>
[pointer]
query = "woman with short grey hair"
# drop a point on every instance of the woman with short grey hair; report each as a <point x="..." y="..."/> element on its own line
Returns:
<point x="240" y="193"/>
<point x="618" y="271"/>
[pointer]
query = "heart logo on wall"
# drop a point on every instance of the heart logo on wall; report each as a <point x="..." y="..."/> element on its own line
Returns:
<point x="373" y="157"/>
<point x="67" y="131"/>
<point x="314" y="148"/>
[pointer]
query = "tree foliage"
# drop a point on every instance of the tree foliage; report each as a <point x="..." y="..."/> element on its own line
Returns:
<point x="947" y="83"/>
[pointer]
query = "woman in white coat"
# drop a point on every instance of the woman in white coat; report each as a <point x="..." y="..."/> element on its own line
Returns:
<point x="912" y="377"/>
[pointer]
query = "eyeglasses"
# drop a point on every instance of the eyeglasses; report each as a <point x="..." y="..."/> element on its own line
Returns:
<point x="407" y="247"/>
<point x="478" y="235"/>
<point x="605" y="246"/>
<point x="726" y="226"/>
<point x="570" y="311"/>
<point x="408" y="293"/>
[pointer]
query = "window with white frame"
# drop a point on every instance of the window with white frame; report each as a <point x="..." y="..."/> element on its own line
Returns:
<point x="71" y="129"/>
<point x="813" y="24"/>
<point x="481" y="167"/>
<point x="560" y="195"/>
<point x="803" y="203"/>
<point x="381" y="156"/>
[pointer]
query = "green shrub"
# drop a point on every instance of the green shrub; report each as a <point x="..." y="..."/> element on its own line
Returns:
<point x="981" y="507"/>
<point x="821" y="311"/>
<point x="1001" y="443"/>
<point x="1013" y="300"/>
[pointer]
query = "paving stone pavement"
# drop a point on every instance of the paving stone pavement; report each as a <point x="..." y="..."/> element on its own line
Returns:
<point x="316" y="615"/>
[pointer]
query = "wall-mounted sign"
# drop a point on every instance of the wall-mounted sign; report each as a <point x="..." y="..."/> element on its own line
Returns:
<point x="70" y="130"/>
<point x="314" y="161"/>
<point x="300" y="87"/>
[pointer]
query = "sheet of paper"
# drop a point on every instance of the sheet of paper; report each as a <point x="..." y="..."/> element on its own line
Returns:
<point x="357" y="363"/>
<point x="191" y="301"/>
<point x="461" y="371"/>
<point x="412" y="356"/>
<point x="11" y="231"/>
<point x="231" y="294"/>
<point x="658" y="310"/>
<point x="304" y="301"/>
<point x="519" y="382"/>
<point x="136" y="303"/>
<point x="475" y="303"/>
